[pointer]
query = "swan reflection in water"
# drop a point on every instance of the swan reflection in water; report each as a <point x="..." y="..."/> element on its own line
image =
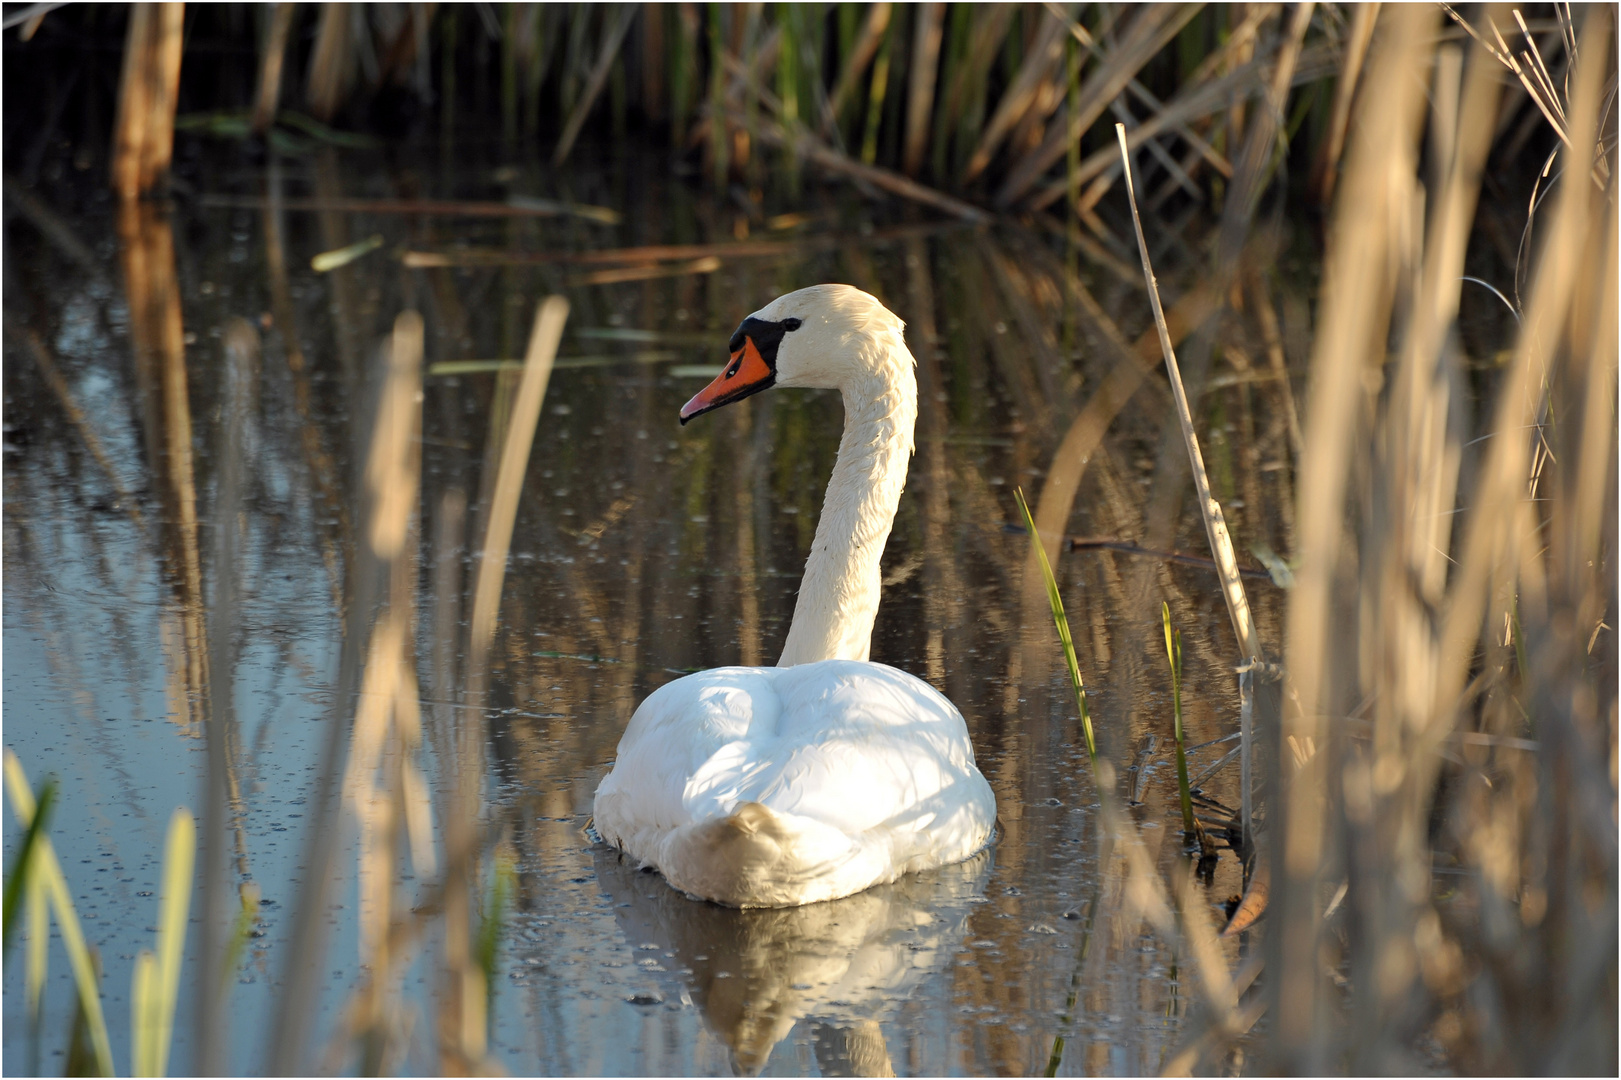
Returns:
<point x="842" y="964"/>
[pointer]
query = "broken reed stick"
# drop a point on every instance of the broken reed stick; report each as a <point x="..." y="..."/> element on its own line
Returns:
<point x="420" y="260"/>
<point x="331" y="63"/>
<point x="517" y="206"/>
<point x="1221" y="544"/>
<point x="143" y="134"/>
<point x="270" y="67"/>
<point x="656" y="253"/>
<point x="543" y="342"/>
<point x="1131" y="547"/>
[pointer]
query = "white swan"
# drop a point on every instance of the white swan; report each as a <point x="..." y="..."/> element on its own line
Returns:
<point x="815" y="779"/>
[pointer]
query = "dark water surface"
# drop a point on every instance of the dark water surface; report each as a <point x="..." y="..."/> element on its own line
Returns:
<point x="642" y="549"/>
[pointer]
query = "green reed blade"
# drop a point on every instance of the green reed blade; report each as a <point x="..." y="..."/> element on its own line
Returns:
<point x="53" y="884"/>
<point x="1062" y="623"/>
<point x="875" y="98"/>
<point x="1173" y="653"/>
<point x="502" y="889"/>
<point x="246" y="917"/>
<point x="39" y="940"/>
<point x="143" y="1021"/>
<point x="155" y="985"/>
<point x="179" y="856"/>
<point x="22" y="869"/>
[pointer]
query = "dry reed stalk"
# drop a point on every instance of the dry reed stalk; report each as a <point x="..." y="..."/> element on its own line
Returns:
<point x="833" y="161"/>
<point x="404" y="60"/>
<point x="920" y="93"/>
<point x="148" y="92"/>
<point x="1490" y="546"/>
<point x="1195" y="100"/>
<point x="1357" y="293"/>
<point x="1152" y="28"/>
<point x="271" y="61"/>
<point x="1221" y="544"/>
<point x="29" y="20"/>
<point x="1485" y="967"/>
<point x="1037" y="70"/>
<point x="1272" y="335"/>
<point x="706" y="265"/>
<point x="514" y="207"/>
<point x="1416" y="457"/>
<point x="594" y="83"/>
<point x="1560" y="841"/>
<point x="873" y="30"/>
<point x="1253" y="168"/>
<point x="1327" y="167"/>
<point x="331" y="64"/>
<point x="1194" y="140"/>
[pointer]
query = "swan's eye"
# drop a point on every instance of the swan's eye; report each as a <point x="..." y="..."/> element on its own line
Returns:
<point x="791" y="324"/>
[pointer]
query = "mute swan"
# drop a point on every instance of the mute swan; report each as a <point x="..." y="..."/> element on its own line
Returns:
<point x="825" y="775"/>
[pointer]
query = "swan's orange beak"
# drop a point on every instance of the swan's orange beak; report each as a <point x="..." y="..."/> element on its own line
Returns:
<point x="747" y="373"/>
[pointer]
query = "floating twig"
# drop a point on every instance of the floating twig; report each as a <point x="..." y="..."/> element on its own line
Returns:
<point x="516" y="206"/>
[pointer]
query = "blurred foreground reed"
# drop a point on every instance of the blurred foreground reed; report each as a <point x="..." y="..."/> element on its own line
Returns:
<point x="1449" y="749"/>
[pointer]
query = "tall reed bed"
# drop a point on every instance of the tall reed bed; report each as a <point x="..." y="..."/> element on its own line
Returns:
<point x="1443" y="828"/>
<point x="1008" y="106"/>
<point x="1449" y="749"/>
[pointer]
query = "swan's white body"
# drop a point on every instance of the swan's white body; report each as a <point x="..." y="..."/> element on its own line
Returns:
<point x="823" y="776"/>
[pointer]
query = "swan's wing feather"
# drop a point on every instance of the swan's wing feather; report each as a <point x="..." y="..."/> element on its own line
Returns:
<point x="861" y="746"/>
<point x="675" y="731"/>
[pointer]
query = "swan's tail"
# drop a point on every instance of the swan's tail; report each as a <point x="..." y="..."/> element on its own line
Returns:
<point x="760" y="857"/>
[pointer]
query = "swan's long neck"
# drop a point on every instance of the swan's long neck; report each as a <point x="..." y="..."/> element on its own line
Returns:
<point x="838" y="596"/>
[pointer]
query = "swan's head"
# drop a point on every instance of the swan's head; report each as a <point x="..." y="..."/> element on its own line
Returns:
<point x="826" y="336"/>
